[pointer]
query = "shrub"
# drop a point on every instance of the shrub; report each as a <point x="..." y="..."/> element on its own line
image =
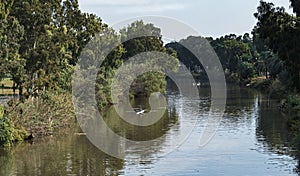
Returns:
<point x="43" y="114"/>
<point x="292" y="106"/>
<point x="6" y="129"/>
<point x="8" y="132"/>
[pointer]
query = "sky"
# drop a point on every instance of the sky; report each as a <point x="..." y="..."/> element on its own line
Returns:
<point x="211" y="18"/>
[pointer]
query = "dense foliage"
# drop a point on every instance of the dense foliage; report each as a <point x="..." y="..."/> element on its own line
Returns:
<point x="43" y="115"/>
<point x="236" y="54"/>
<point x="40" y="42"/>
<point x="137" y="38"/>
<point x="8" y="130"/>
<point x="280" y="33"/>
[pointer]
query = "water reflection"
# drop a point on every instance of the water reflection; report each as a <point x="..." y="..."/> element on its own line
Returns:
<point x="73" y="154"/>
<point x="252" y="138"/>
<point x="247" y="108"/>
<point x="65" y="155"/>
<point x="156" y="133"/>
<point x="141" y="133"/>
<point x="273" y="135"/>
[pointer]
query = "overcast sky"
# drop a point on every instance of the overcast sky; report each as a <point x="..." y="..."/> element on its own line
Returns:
<point x="209" y="17"/>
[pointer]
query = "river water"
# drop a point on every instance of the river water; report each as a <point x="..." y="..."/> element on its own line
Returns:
<point x="251" y="140"/>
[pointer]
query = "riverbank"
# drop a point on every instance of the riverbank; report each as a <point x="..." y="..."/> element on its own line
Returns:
<point x="52" y="111"/>
<point x="288" y="100"/>
<point x="274" y="88"/>
<point x="36" y="117"/>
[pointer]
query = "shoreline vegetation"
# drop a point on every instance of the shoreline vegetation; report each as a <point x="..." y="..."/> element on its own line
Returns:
<point x="39" y="50"/>
<point x="36" y="117"/>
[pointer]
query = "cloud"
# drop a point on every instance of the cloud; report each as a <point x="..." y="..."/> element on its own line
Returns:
<point x="115" y="2"/>
<point x="152" y="8"/>
<point x="134" y="6"/>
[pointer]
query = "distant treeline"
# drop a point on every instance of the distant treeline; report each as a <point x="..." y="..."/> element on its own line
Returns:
<point x="272" y="50"/>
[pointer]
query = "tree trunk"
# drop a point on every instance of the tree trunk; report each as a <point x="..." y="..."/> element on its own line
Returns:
<point x="20" y="91"/>
<point x="14" y="88"/>
<point x="295" y="78"/>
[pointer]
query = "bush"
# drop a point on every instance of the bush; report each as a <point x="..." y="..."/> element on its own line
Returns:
<point x="292" y="106"/>
<point x="42" y="115"/>
<point x="8" y="132"/>
<point x="6" y="129"/>
<point x="246" y="70"/>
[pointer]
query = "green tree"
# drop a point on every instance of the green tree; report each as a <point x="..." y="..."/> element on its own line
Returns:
<point x="11" y="33"/>
<point x="237" y="54"/>
<point x="80" y="27"/>
<point x="55" y="32"/>
<point x="281" y="32"/>
<point x="185" y="56"/>
<point x="151" y="40"/>
<point x="108" y="67"/>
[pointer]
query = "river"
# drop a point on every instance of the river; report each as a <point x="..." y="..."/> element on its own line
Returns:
<point x="251" y="140"/>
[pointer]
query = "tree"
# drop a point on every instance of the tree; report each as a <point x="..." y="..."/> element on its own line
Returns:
<point x="80" y="27"/>
<point x="55" y="32"/>
<point x="138" y="38"/>
<point x="237" y="54"/>
<point x="109" y="66"/>
<point x="185" y="56"/>
<point x="281" y="32"/>
<point x="11" y="33"/>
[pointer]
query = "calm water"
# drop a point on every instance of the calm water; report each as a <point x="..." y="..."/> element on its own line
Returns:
<point x="251" y="140"/>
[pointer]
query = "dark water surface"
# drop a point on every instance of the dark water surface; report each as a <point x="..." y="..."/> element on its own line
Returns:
<point x="251" y="140"/>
